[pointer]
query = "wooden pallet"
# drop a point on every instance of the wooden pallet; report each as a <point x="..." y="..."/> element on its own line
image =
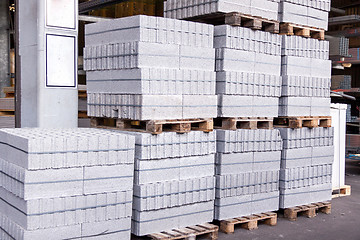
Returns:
<point x="5" y="112"/>
<point x="239" y="19"/>
<point x="307" y="210"/>
<point x="9" y="92"/>
<point x="82" y="114"/>
<point x="155" y="126"/>
<point x="299" y="122"/>
<point x="249" y="222"/>
<point x="342" y="191"/>
<point x="209" y="231"/>
<point x="304" y="31"/>
<point x="244" y="123"/>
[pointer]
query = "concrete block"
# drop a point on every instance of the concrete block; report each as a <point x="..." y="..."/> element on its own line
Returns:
<point x="232" y="207"/>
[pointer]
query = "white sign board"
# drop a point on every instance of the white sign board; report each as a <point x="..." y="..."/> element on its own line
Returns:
<point x="60" y="61"/>
<point x="61" y="13"/>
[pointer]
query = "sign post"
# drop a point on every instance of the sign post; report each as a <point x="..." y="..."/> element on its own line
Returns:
<point x="47" y="63"/>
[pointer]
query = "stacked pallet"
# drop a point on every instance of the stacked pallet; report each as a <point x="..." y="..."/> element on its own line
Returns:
<point x="145" y="74"/>
<point x="65" y="184"/>
<point x="149" y="68"/>
<point x="174" y="185"/>
<point x="247" y="172"/>
<point x="306" y="166"/>
<point x="306" y="73"/>
<point x="305" y="13"/>
<point x="267" y="9"/>
<point x="248" y="64"/>
<point x="7" y="106"/>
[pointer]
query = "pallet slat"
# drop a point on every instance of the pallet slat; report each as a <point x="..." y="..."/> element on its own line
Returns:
<point x="248" y="222"/>
<point x="300" y="122"/>
<point x="300" y="30"/>
<point x="342" y="191"/>
<point x="155" y="126"/>
<point x="239" y="19"/>
<point x="307" y="210"/>
<point x="244" y="123"/>
<point x="207" y="230"/>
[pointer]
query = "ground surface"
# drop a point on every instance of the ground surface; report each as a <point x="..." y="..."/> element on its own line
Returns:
<point x="342" y="224"/>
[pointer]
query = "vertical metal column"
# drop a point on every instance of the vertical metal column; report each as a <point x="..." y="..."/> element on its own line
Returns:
<point x="47" y="63"/>
<point x="4" y="46"/>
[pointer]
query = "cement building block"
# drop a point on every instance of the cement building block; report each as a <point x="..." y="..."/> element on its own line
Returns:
<point x="267" y="161"/>
<point x="320" y="68"/>
<point x="99" y="179"/>
<point x="174" y="169"/>
<point x="150" y="29"/>
<point x="63" y="211"/>
<point x="197" y="58"/>
<point x="114" y="229"/>
<point x="265" y="9"/>
<point x="233" y="163"/>
<point x="173" y="145"/>
<point x="265" y="202"/>
<point x="234" y="60"/>
<point x="268" y="64"/>
<point x="10" y="229"/>
<point x="169" y="194"/>
<point x="151" y="81"/>
<point x="322" y="155"/>
<point x="297" y="66"/>
<point x="265" y="106"/>
<point x="321" y="193"/>
<point x="294" y="197"/>
<point x="166" y="219"/>
<point x="295" y="106"/>
<point x="42" y="183"/>
<point x="235" y="106"/>
<point x="196" y="106"/>
<point x="320" y="106"/>
<point x="293" y="13"/>
<point x="232" y="207"/>
<point x="291" y="158"/>
<point x="318" y="18"/>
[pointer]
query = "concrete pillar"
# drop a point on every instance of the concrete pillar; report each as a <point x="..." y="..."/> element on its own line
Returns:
<point x="4" y="46"/>
<point x="47" y="63"/>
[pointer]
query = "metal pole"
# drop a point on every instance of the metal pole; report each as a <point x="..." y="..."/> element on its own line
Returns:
<point x="4" y="46"/>
<point x="17" y="70"/>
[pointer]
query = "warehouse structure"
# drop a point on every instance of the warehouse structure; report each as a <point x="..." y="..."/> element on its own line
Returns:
<point x="173" y="119"/>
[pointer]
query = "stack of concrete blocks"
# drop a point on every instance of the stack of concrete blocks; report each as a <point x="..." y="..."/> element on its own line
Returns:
<point x="306" y="166"/>
<point x="247" y="172"/>
<point x="340" y="82"/>
<point x="65" y="184"/>
<point x="311" y="13"/>
<point x="150" y="68"/>
<point x="306" y="76"/>
<point x="339" y="46"/>
<point x="174" y="183"/>
<point x="267" y="9"/>
<point x="248" y="72"/>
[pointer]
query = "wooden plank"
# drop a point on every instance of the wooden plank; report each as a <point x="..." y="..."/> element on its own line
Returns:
<point x="189" y="233"/>
<point x="239" y="19"/>
<point x="307" y="210"/>
<point x="156" y="126"/>
<point x="300" y="30"/>
<point x="342" y="191"/>
<point x="244" y="123"/>
<point x="248" y="222"/>
<point x="299" y="122"/>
